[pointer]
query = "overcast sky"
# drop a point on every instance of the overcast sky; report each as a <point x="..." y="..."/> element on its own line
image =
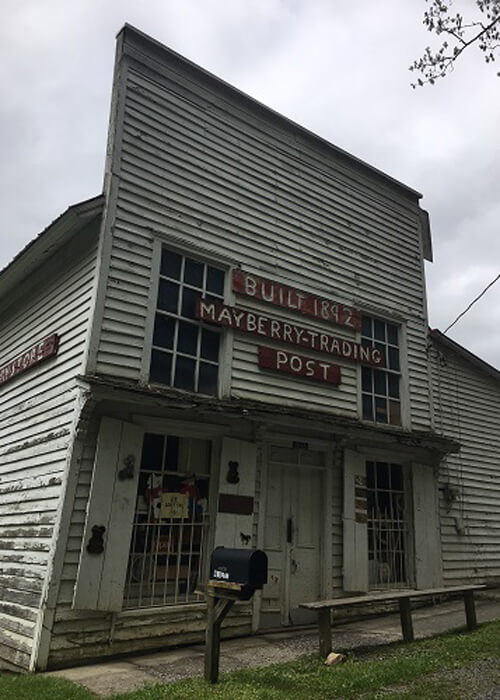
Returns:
<point x="338" y="67"/>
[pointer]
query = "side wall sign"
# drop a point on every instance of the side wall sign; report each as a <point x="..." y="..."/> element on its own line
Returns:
<point x="33" y="356"/>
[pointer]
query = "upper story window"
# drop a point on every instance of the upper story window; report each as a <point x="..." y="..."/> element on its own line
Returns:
<point x="381" y="387"/>
<point x="185" y="354"/>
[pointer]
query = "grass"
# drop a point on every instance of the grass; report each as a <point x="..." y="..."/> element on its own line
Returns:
<point x="392" y="672"/>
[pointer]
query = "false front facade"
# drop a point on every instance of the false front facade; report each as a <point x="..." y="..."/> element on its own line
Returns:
<point x="251" y="372"/>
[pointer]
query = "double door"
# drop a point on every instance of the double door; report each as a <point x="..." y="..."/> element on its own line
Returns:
<point x="293" y="537"/>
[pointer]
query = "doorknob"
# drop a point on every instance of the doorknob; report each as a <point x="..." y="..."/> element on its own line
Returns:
<point x="293" y="566"/>
<point x="289" y="531"/>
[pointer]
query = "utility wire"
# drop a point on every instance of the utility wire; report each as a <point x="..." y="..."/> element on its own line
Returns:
<point x="472" y="303"/>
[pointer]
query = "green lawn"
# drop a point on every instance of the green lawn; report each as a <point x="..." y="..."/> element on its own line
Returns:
<point x="392" y="672"/>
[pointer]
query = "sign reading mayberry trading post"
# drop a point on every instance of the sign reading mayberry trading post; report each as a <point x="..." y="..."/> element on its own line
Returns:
<point x="298" y="365"/>
<point x="284" y="332"/>
<point x="39" y="352"/>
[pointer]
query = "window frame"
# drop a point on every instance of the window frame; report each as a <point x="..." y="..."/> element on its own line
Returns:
<point x="404" y="397"/>
<point x="226" y="340"/>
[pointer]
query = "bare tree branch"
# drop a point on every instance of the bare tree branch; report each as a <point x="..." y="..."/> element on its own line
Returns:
<point x="484" y="32"/>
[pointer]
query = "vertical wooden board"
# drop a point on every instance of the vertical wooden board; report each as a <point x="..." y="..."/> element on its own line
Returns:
<point x="101" y="577"/>
<point x="120" y="521"/>
<point x="355" y="550"/>
<point x="90" y="567"/>
<point x="427" y="535"/>
<point x="229" y="527"/>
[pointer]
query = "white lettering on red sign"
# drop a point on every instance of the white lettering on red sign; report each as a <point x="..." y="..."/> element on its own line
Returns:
<point x="298" y="365"/>
<point x="257" y="324"/>
<point x="289" y="298"/>
<point x="38" y="353"/>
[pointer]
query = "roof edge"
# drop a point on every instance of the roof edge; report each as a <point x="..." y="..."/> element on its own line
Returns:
<point x="452" y="345"/>
<point x="49" y="240"/>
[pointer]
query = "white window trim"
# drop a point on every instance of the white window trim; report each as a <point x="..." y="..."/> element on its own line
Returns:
<point x="226" y="337"/>
<point x="404" y="393"/>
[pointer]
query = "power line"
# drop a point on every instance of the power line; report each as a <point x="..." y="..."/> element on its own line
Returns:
<point x="472" y="303"/>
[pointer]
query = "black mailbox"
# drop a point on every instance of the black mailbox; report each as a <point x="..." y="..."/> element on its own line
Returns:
<point x="244" y="567"/>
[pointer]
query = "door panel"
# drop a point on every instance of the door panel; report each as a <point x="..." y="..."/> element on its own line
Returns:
<point x="294" y="497"/>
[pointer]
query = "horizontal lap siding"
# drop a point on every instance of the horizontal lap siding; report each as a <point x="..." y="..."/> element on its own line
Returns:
<point x="36" y="412"/>
<point x="467" y="408"/>
<point x="203" y="172"/>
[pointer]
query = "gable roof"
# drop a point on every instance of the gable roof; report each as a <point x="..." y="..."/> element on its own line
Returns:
<point x="48" y="241"/>
<point x="442" y="339"/>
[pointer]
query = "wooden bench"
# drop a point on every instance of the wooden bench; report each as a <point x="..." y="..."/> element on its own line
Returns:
<point x="403" y="597"/>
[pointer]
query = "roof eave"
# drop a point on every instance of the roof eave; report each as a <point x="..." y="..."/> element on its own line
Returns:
<point x="48" y="241"/>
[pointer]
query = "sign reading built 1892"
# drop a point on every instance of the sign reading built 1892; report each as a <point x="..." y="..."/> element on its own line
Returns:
<point x="272" y="292"/>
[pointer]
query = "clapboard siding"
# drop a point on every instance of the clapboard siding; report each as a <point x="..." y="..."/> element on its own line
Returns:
<point x="36" y="414"/>
<point x="467" y="408"/>
<point x="193" y="167"/>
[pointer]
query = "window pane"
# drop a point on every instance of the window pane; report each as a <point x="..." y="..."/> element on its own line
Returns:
<point x="170" y="264"/>
<point x="193" y="273"/>
<point x="164" y="331"/>
<point x="189" y="298"/>
<point x="172" y="456"/>
<point x="393" y="359"/>
<point x="393" y="382"/>
<point x="382" y="475"/>
<point x="379" y="328"/>
<point x="161" y="363"/>
<point x="187" y="339"/>
<point x="380" y="410"/>
<point x="207" y="383"/>
<point x="367" y="407"/>
<point x="370" y="475"/>
<point x="366" y="379"/>
<point x="184" y="373"/>
<point x="392" y="334"/>
<point x="394" y="413"/>
<point x="366" y="327"/>
<point x="396" y="477"/>
<point x="209" y="345"/>
<point x="168" y="295"/>
<point x="152" y="451"/>
<point x="380" y="382"/>
<point x="215" y="281"/>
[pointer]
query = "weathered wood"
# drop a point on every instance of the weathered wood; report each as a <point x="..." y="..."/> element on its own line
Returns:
<point x="388" y="596"/>
<point x="325" y="632"/>
<point x="470" y="609"/>
<point x="406" y="619"/>
<point x="217" y="609"/>
<point x="355" y="538"/>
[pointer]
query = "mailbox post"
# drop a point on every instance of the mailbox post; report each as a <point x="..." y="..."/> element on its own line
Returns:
<point x="235" y="574"/>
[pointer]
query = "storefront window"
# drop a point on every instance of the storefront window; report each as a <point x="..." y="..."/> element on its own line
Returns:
<point x="185" y="353"/>
<point x="387" y="525"/>
<point x="381" y="387"/>
<point x="171" y="517"/>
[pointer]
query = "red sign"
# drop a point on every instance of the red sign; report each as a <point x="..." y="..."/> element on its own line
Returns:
<point x="283" y="332"/>
<point x="38" y="353"/>
<point x="298" y="365"/>
<point x="289" y="298"/>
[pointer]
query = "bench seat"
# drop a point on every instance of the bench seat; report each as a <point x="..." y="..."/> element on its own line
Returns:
<point x="403" y="596"/>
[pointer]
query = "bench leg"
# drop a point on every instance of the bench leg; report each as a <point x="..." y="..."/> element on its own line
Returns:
<point x="470" y="610"/>
<point x="406" y="621"/>
<point x="325" y="632"/>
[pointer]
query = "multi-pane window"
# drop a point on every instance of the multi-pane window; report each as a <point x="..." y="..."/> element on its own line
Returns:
<point x="167" y="549"/>
<point x="381" y="387"/>
<point x="387" y="525"/>
<point x="185" y="353"/>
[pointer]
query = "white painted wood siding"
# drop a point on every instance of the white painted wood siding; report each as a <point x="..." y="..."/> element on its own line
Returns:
<point x="36" y="412"/>
<point x="467" y="408"/>
<point x="197" y="165"/>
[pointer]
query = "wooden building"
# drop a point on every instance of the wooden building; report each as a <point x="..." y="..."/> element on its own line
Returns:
<point x="229" y="346"/>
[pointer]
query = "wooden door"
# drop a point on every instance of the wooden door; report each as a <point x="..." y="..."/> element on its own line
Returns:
<point x="293" y="536"/>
